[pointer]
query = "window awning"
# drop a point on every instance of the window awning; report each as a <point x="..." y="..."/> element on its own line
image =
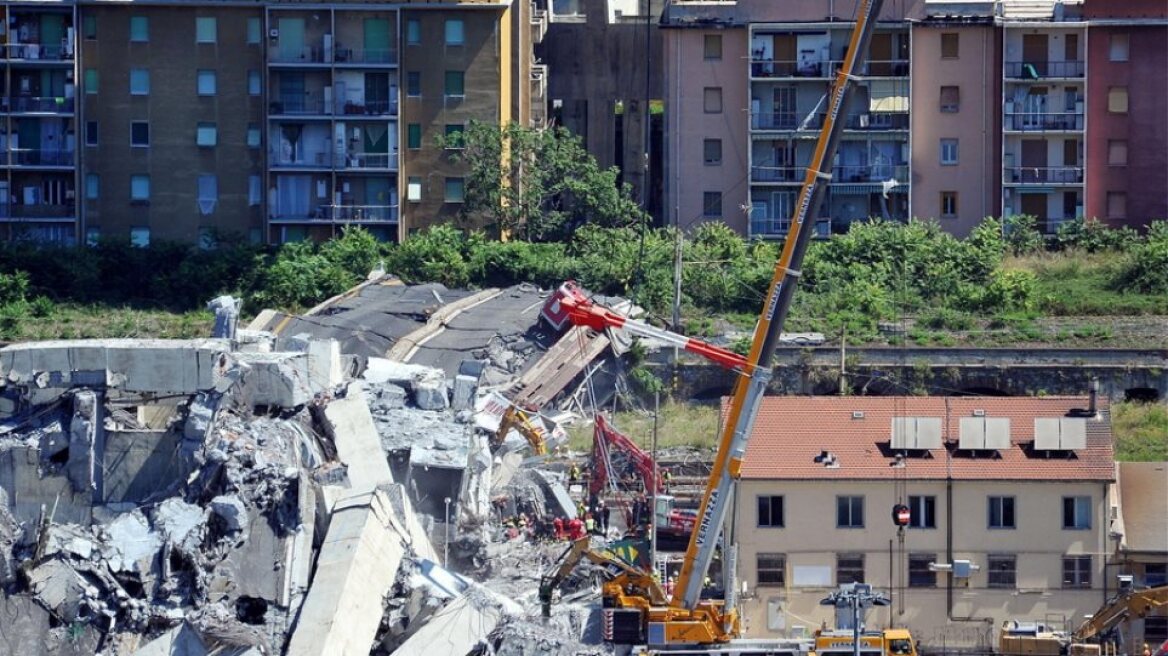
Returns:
<point x="884" y="96"/>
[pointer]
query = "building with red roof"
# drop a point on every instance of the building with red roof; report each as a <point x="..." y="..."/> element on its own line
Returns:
<point x="1019" y="489"/>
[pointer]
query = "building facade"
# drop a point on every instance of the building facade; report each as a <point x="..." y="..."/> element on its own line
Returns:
<point x="822" y="476"/>
<point x="1141" y="537"/>
<point x="271" y="122"/>
<point x="964" y="110"/>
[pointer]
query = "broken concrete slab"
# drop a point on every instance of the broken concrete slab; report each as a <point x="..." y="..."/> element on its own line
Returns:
<point x="463" y="395"/>
<point x="356" y="568"/>
<point x="226" y="311"/>
<point x="350" y="424"/>
<point x="27" y="628"/>
<point x="58" y="587"/>
<point x="182" y="640"/>
<point x="456" y="629"/>
<point x="430" y="390"/>
<point x="229" y="510"/>
<point x="181" y="523"/>
<point x="382" y="370"/>
<point x="416" y="537"/>
<point x="83" y="437"/>
<point x="130" y="545"/>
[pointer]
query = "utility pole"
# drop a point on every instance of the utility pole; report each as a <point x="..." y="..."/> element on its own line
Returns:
<point x="653" y="499"/>
<point x="843" y="375"/>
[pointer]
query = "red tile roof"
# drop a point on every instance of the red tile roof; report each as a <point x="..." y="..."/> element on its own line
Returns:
<point x="790" y="431"/>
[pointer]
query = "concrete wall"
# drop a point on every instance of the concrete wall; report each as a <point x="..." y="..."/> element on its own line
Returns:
<point x="481" y="58"/>
<point x="1039" y="543"/>
<point x="174" y="110"/>
<point x="976" y="126"/>
<point x="688" y="73"/>
<point x="1145" y="177"/>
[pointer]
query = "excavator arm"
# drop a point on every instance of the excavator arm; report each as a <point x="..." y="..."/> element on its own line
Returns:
<point x="620" y="573"/>
<point x="1136" y="603"/>
<point x="515" y="418"/>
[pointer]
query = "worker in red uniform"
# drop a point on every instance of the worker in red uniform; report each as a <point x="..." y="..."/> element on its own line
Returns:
<point x="575" y="529"/>
<point x="558" y="528"/>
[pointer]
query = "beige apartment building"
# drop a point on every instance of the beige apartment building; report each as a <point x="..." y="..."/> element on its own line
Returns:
<point x="277" y="121"/>
<point x="1016" y="487"/>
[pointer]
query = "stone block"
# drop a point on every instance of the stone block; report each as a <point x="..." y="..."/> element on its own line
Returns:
<point x="464" y="393"/>
<point x="430" y="391"/>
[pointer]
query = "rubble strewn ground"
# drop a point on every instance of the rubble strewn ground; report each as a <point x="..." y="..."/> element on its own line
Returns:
<point x="221" y="496"/>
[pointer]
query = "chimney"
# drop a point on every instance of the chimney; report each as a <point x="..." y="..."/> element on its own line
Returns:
<point x="1093" y="397"/>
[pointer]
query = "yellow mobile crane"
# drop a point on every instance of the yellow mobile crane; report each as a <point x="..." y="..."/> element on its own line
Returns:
<point x="635" y="609"/>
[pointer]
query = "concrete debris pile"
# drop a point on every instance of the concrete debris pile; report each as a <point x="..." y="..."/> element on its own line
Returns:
<point x="223" y="496"/>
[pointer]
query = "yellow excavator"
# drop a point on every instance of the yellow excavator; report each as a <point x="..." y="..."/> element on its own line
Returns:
<point x="635" y="608"/>
<point x="514" y="417"/>
<point x="1026" y="639"/>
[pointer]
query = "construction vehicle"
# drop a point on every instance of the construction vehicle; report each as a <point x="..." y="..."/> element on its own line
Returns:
<point x="635" y="609"/>
<point x="621" y="577"/>
<point x="1093" y="636"/>
<point x="888" y="642"/>
<point x="516" y="418"/>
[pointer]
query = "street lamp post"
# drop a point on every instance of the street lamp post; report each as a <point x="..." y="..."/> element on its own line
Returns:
<point x="446" y="542"/>
<point x="856" y="597"/>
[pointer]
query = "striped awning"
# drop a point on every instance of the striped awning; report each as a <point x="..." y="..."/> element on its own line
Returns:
<point x="865" y="188"/>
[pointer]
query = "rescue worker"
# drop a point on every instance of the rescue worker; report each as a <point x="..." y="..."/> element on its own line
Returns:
<point x="574" y="474"/>
<point x="667" y="477"/>
<point x="558" y="527"/>
<point x="575" y="529"/>
<point x="589" y="523"/>
<point x="605" y="511"/>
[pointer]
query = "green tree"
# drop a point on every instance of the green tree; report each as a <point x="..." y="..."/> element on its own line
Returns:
<point x="539" y="184"/>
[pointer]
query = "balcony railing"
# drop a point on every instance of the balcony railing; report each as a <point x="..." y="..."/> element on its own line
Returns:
<point x="776" y="173"/>
<point x="308" y="54"/>
<point x="539" y="24"/>
<point x="874" y="121"/>
<point x="1044" y="121"/>
<point x="1043" y="175"/>
<point x="823" y="69"/>
<point x="42" y="105"/>
<point x="299" y="104"/>
<point x="360" y="213"/>
<point x="38" y="51"/>
<point x="359" y="161"/>
<point x="1037" y="70"/>
<point x="869" y="173"/>
<point x="346" y="55"/>
<point x="350" y="161"/>
<point x="38" y="211"/>
<point x="359" y="105"/>
<point x="36" y="157"/>
<point x="313" y="160"/>
<point x="777" y="227"/>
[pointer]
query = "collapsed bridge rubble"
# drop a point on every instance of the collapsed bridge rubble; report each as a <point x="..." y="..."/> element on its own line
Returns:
<point x="260" y="494"/>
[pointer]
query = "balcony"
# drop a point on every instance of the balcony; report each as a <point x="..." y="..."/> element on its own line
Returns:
<point x="300" y="104"/>
<point x="357" y="104"/>
<point x="37" y="211"/>
<point x="37" y="105"/>
<point x="873" y="174"/>
<point x="539" y="24"/>
<point x="1043" y="175"/>
<point x="307" y="54"/>
<point x="37" y="157"/>
<point x="824" y="69"/>
<point x="791" y="121"/>
<point x="539" y="73"/>
<point x="763" y="226"/>
<point x="39" y="52"/>
<point x="367" y="161"/>
<point x="365" y="56"/>
<point x="360" y="213"/>
<point x="1041" y="70"/>
<point x="318" y="159"/>
<point x="1044" y="121"/>
<point x="776" y="173"/>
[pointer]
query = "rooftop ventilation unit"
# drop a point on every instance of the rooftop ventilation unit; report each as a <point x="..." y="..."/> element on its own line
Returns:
<point x="916" y="433"/>
<point x="979" y="413"/>
<point x="857" y="414"/>
<point x="984" y="433"/>
<point x="1060" y="433"/>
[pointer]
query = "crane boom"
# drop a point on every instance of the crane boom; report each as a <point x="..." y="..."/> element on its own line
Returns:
<point x="752" y="383"/>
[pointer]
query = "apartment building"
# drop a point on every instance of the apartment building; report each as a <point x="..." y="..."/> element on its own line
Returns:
<point x="1012" y="494"/>
<point x="963" y="110"/>
<point x="1141" y="494"/>
<point x="274" y="122"/>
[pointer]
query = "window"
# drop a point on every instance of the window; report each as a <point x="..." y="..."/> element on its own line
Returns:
<point x="950" y="99"/>
<point x="1155" y="574"/>
<point x="772" y="569"/>
<point x="1117" y="100"/>
<point x="253" y="31"/>
<point x="712" y="100"/>
<point x="922" y="512"/>
<point x="712" y="150"/>
<point x="255" y="187"/>
<point x="253" y="83"/>
<point x="849" y="512"/>
<point x="1116" y="205"/>
<point x="1076" y="571"/>
<point x="89" y="26"/>
<point x="1002" y="571"/>
<point x="140" y="236"/>
<point x="950" y="45"/>
<point x="849" y="568"/>
<point x="91" y="80"/>
<point x="454" y="32"/>
<point x="1117" y="152"/>
<point x="206" y="83"/>
<point x="713" y="46"/>
<point x="1001" y="512"/>
<point x="919" y="574"/>
<point x="139" y="29"/>
<point x="948" y="151"/>
<point x="1155" y="629"/>
<point x="140" y="134"/>
<point x="205" y="29"/>
<point x="208" y="193"/>
<point x="413" y="83"/>
<point x="414" y="189"/>
<point x="139" y="82"/>
<point x="770" y="511"/>
<point x="91" y="133"/>
<point x="413" y="32"/>
<point x="254" y="139"/>
<point x="712" y="204"/>
<point x="948" y="204"/>
<point x="92" y="235"/>
<point x="1076" y="512"/>
<point x="1118" y="48"/>
<point x="455" y="83"/>
<point x="91" y="186"/>
<point x="455" y="190"/>
<point x="139" y="188"/>
<point x="414" y="136"/>
<point x="453" y="135"/>
<point x="206" y="135"/>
